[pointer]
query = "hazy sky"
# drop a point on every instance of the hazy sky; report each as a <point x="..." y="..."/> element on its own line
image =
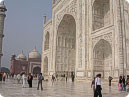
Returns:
<point x="23" y="27"/>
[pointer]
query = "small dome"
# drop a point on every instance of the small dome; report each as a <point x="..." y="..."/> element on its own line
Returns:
<point x="21" y="56"/>
<point x="34" y="54"/>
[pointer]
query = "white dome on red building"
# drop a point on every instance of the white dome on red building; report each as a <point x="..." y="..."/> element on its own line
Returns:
<point x="34" y="54"/>
<point x="21" y="56"/>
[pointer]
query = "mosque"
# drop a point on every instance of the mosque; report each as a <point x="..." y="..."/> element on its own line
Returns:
<point x="21" y="63"/>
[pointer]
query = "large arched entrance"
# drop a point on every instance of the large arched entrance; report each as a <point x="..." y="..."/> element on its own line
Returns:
<point x="45" y="69"/>
<point x="102" y="62"/>
<point x="66" y="46"/>
<point x="36" y="70"/>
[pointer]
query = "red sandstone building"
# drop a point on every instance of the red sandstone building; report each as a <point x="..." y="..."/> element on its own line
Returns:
<point x="21" y="64"/>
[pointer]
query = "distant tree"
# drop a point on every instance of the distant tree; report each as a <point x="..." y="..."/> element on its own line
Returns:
<point x="4" y="69"/>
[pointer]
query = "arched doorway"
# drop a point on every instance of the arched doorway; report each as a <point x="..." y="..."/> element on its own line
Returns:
<point x="66" y="46"/>
<point x="102" y="61"/>
<point x="45" y="66"/>
<point x="36" y="70"/>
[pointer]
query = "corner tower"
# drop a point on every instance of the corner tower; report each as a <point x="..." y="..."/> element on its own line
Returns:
<point x="2" y="17"/>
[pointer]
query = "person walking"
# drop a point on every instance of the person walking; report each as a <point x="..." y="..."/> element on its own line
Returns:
<point x="14" y="77"/>
<point x="110" y="80"/>
<point x="24" y="80"/>
<point x="53" y="79"/>
<point x="4" y="77"/>
<point x="120" y="84"/>
<point x="127" y="83"/>
<point x="98" y="87"/>
<point x="30" y="78"/>
<point x="40" y="79"/>
<point x="66" y="77"/>
<point x="18" y="78"/>
<point x="1" y="76"/>
<point x="93" y="86"/>
<point x="72" y="76"/>
<point x="57" y="77"/>
<point x="123" y="83"/>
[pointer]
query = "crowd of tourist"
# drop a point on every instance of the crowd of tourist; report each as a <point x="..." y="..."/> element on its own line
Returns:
<point x="23" y="78"/>
<point x="123" y="83"/>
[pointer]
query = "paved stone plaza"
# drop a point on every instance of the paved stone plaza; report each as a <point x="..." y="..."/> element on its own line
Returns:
<point x="58" y="89"/>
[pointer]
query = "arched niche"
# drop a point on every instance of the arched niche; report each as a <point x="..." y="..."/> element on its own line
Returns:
<point x="101" y="13"/>
<point x="102" y="57"/>
<point x="36" y="70"/>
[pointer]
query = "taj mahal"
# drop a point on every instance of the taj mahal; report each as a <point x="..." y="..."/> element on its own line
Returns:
<point x="87" y="37"/>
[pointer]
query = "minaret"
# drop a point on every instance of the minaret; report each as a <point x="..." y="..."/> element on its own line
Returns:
<point x="2" y="17"/>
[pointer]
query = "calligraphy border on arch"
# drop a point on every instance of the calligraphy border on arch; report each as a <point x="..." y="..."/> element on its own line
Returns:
<point x="70" y="9"/>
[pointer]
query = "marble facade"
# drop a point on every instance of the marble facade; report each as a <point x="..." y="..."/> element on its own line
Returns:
<point x="87" y="37"/>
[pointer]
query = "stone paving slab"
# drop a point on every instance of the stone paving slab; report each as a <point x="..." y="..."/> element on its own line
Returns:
<point x="58" y="89"/>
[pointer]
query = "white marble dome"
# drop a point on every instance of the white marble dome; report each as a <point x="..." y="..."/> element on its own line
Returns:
<point x="21" y="56"/>
<point x="34" y="54"/>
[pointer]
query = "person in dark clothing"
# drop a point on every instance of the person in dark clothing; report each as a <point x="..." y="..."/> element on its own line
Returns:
<point x="127" y="83"/>
<point x="120" y="84"/>
<point x="0" y="76"/>
<point x="93" y="85"/>
<point x="120" y="80"/>
<point x="30" y="78"/>
<point x="123" y="84"/>
<point x="72" y="76"/>
<point x="40" y="79"/>
<point x="53" y="79"/>
<point x="110" y="80"/>
<point x="66" y="77"/>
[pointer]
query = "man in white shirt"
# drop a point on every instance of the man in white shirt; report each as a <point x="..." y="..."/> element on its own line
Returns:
<point x="98" y="86"/>
<point x="24" y="80"/>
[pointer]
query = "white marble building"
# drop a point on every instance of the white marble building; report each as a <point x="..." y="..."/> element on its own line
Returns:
<point x="87" y="37"/>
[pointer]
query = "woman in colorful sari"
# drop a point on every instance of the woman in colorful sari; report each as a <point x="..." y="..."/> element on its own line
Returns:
<point x="120" y="84"/>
